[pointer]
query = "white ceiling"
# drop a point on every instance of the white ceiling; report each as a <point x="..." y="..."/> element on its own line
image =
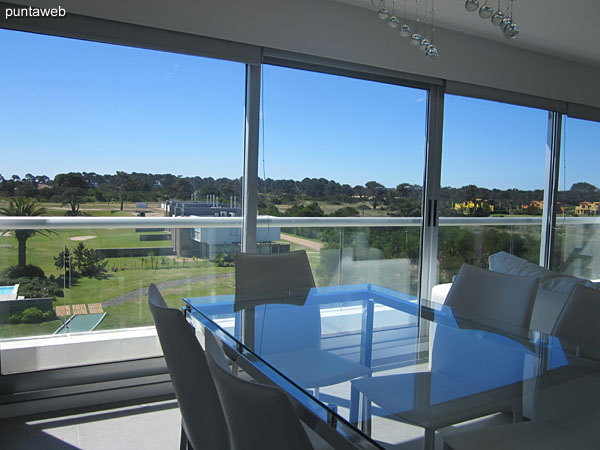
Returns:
<point x="569" y="29"/>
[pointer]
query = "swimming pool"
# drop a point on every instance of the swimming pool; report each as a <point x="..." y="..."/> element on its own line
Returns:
<point x="9" y="292"/>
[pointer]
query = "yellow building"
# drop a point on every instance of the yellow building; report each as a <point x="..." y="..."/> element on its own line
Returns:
<point x="469" y="205"/>
<point x="588" y="209"/>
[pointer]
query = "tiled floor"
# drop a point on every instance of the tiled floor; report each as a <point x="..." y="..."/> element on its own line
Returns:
<point x="148" y="426"/>
<point x="157" y="426"/>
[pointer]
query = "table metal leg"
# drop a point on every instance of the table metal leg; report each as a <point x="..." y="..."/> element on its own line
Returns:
<point x="429" y="439"/>
<point x="365" y="416"/>
<point x="354" y="402"/>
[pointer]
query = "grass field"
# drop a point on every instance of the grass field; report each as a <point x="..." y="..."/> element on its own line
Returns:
<point x="125" y="274"/>
<point x="41" y="250"/>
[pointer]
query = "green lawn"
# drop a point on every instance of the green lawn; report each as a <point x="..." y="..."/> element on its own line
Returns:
<point x="118" y="283"/>
<point x="124" y="274"/>
<point x="8" y="331"/>
<point x="41" y="250"/>
<point x="136" y="313"/>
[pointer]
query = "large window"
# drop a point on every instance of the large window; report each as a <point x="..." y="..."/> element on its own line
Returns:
<point x="335" y="146"/>
<point x="96" y="130"/>
<point x="577" y="238"/>
<point x="493" y="167"/>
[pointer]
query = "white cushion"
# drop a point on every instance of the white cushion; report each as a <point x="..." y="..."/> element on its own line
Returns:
<point x="513" y="265"/>
<point x="549" y="280"/>
<point x="439" y="292"/>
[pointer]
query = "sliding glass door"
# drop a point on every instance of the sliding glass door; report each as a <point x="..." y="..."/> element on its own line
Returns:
<point x="350" y="154"/>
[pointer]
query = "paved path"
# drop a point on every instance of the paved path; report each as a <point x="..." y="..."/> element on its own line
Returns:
<point x="301" y="241"/>
<point x="143" y="292"/>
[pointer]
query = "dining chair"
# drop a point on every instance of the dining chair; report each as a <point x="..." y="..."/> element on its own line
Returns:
<point x="559" y="408"/>
<point x="288" y="332"/>
<point x="203" y="422"/>
<point x="465" y="363"/>
<point x="497" y="296"/>
<point x="578" y="319"/>
<point x="258" y="416"/>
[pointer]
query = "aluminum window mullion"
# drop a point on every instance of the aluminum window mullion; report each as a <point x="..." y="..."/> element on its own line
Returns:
<point x="431" y="191"/>
<point x="553" y="150"/>
<point x="251" y="138"/>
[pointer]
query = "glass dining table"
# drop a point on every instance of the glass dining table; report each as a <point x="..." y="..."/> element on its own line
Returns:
<point x="364" y="364"/>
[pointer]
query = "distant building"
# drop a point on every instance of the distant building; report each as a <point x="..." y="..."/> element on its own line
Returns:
<point x="588" y="209"/>
<point x="470" y="205"/>
<point x="534" y="204"/>
<point x="211" y="242"/>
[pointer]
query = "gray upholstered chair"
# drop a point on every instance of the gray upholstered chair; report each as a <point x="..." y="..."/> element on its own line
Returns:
<point x="259" y="416"/>
<point x="495" y="295"/>
<point x="463" y="367"/>
<point x="578" y="320"/>
<point x="203" y="421"/>
<point x="568" y="404"/>
<point x="276" y="288"/>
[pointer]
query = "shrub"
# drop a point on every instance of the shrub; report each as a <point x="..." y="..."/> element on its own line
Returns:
<point x="47" y="316"/>
<point x="15" y="318"/>
<point x="225" y="260"/>
<point x="36" y="287"/>
<point x="32" y="314"/>
<point x="29" y="271"/>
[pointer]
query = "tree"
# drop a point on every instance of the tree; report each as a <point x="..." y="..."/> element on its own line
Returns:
<point x="72" y="186"/>
<point x="123" y="183"/>
<point x="64" y="260"/>
<point x="88" y="262"/>
<point x="22" y="206"/>
<point x="376" y="192"/>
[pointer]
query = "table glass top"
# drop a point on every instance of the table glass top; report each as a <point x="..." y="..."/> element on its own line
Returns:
<point x="377" y="357"/>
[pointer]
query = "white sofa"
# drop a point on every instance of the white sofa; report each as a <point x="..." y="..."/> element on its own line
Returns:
<point x="552" y="294"/>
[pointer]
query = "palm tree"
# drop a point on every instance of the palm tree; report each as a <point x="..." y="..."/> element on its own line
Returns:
<point x="23" y="206"/>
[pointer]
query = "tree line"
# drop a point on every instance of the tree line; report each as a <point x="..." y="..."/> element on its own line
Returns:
<point x="74" y="188"/>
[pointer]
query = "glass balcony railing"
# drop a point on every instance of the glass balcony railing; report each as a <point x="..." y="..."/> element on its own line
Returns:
<point x="95" y="270"/>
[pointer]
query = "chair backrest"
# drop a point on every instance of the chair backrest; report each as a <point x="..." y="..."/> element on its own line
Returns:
<point x="498" y="296"/>
<point x="261" y="275"/>
<point x="258" y="416"/>
<point x="483" y="360"/>
<point x="579" y="317"/>
<point x="196" y="393"/>
<point x="277" y="287"/>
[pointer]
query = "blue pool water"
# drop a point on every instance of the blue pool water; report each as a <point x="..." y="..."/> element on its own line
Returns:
<point x="5" y="290"/>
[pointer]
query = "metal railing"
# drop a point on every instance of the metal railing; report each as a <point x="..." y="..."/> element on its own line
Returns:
<point x="65" y="223"/>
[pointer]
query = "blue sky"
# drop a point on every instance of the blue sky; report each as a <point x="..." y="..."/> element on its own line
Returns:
<point x="70" y="105"/>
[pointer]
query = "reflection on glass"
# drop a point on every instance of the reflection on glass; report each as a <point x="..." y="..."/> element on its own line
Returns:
<point x="122" y="133"/>
<point x="577" y="233"/>
<point x="484" y="177"/>
<point x="324" y="155"/>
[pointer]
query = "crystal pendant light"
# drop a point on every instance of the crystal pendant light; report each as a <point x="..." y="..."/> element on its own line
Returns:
<point x="509" y="26"/>
<point x="486" y="11"/>
<point x="415" y="39"/>
<point x="472" y="5"/>
<point x="511" y="31"/>
<point x="405" y="30"/>
<point x="431" y="54"/>
<point x="383" y="13"/>
<point x="424" y="44"/>
<point x="393" y="21"/>
<point x="498" y="16"/>
<point x="505" y="23"/>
